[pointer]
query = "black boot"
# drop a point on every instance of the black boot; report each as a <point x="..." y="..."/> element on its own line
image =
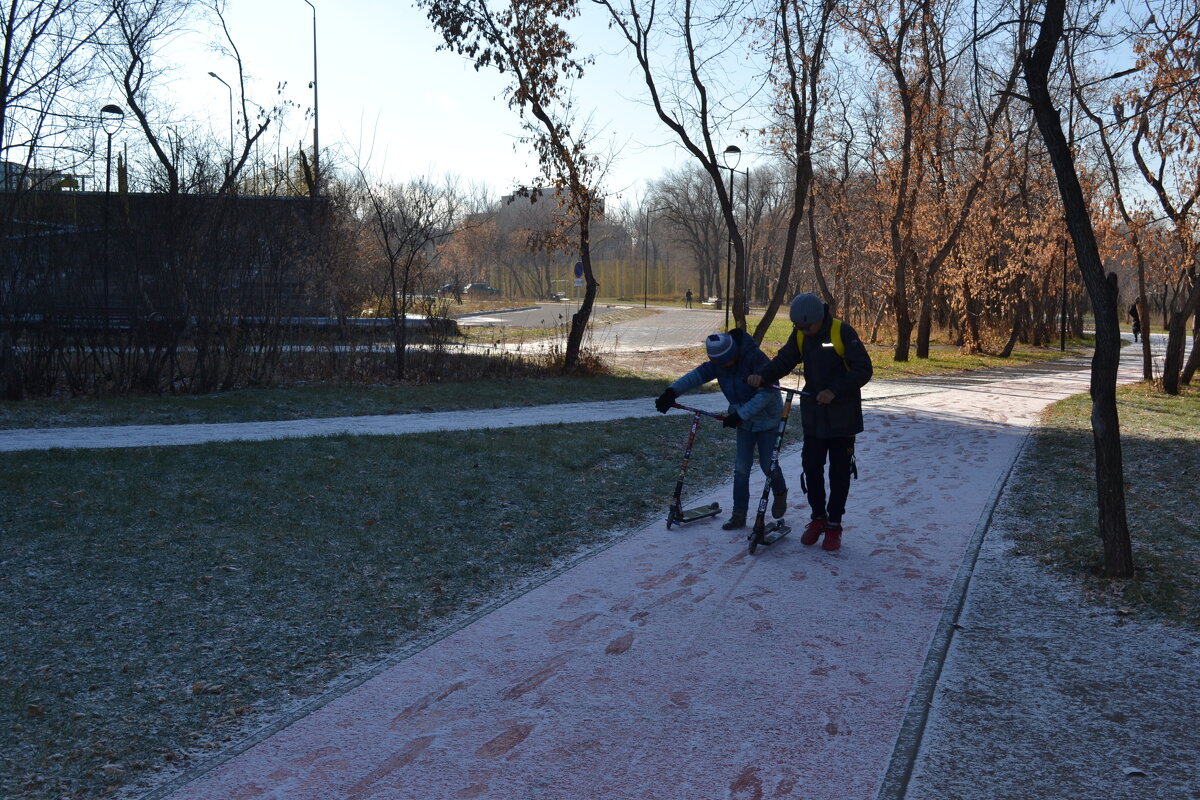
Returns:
<point x="779" y="505"/>
<point x="736" y="520"/>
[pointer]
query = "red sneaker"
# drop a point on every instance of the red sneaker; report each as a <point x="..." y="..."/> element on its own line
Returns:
<point x="833" y="537"/>
<point x="813" y="531"/>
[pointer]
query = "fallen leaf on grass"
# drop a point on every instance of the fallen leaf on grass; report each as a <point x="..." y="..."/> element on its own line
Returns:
<point x="204" y="687"/>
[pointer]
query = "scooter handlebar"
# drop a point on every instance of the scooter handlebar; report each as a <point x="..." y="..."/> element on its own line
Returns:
<point x="699" y="411"/>
<point x="800" y="392"/>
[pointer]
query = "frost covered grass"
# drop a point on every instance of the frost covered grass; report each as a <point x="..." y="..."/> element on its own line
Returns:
<point x="305" y="402"/>
<point x="1160" y="438"/>
<point x="161" y="602"/>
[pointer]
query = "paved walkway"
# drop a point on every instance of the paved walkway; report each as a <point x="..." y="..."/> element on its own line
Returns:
<point x="673" y="664"/>
<point x="101" y="437"/>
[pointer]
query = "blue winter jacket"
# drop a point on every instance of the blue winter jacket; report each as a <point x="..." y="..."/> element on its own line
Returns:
<point x="760" y="408"/>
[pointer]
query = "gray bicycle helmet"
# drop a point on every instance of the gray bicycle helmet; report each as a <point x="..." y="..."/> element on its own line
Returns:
<point x="806" y="309"/>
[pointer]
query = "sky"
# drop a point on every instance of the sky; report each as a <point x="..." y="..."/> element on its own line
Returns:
<point x="391" y="100"/>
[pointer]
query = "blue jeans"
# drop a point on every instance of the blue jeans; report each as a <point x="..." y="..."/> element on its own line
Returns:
<point x="747" y="441"/>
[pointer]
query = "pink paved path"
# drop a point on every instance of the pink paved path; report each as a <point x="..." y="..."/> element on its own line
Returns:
<point x="674" y="665"/>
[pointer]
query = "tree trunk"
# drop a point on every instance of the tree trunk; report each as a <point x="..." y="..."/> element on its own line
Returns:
<point x="1018" y="317"/>
<point x="579" y="320"/>
<point x="1193" y="361"/>
<point x="1177" y="341"/>
<point x="1106" y="432"/>
<point x="925" y="319"/>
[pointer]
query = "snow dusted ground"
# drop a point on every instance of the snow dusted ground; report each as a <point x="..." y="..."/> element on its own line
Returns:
<point x="1044" y="695"/>
<point x="1041" y="694"/>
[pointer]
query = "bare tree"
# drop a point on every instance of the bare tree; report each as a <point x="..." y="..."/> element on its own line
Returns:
<point x="527" y="42"/>
<point x="137" y="30"/>
<point x="690" y="205"/>
<point x="405" y="223"/>
<point x="692" y="91"/>
<point x="44" y="65"/>
<point x="250" y="138"/>
<point x="1106" y="432"/>
<point x="802" y="29"/>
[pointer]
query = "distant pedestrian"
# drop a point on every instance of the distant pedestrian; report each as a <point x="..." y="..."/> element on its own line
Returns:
<point x="687" y="299"/>
<point x="732" y="357"/>
<point x="1137" y="321"/>
<point x="836" y="367"/>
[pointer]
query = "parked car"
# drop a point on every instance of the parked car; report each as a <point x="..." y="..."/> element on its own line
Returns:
<point x="480" y="287"/>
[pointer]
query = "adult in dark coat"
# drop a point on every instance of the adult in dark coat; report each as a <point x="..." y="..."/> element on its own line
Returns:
<point x="836" y="367"/>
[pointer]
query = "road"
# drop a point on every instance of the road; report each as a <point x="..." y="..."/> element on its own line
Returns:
<point x="665" y="329"/>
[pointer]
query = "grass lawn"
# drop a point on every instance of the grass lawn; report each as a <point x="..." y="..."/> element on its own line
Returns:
<point x="1160" y="437"/>
<point x="158" y="599"/>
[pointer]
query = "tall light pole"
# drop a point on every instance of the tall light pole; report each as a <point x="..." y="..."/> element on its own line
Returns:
<point x="111" y="117"/>
<point x="230" y="90"/>
<point x="316" y="111"/>
<point x="732" y="153"/>
<point x="1062" y="340"/>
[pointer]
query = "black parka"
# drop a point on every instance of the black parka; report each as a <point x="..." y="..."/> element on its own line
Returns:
<point x="825" y="369"/>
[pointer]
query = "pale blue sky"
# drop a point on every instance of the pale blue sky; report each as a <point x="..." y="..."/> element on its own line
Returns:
<point x="389" y="95"/>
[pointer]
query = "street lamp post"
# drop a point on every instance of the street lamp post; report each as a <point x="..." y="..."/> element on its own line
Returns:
<point x="316" y="111"/>
<point x="1062" y="340"/>
<point x="230" y="90"/>
<point x="732" y="153"/>
<point x="111" y="117"/>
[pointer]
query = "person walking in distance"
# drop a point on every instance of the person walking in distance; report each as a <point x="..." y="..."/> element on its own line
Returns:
<point x="1137" y="321"/>
<point x="687" y="299"/>
<point x="836" y="367"/>
<point x="754" y="412"/>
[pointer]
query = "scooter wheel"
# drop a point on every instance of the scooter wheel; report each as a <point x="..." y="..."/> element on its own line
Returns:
<point x="755" y="540"/>
<point x="715" y="506"/>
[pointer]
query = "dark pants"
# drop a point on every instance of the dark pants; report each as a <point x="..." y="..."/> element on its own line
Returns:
<point x="840" y="452"/>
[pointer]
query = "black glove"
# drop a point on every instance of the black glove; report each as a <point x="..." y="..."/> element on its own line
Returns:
<point x="732" y="420"/>
<point x="665" y="400"/>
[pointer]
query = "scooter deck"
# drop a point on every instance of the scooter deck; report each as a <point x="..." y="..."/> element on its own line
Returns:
<point x="775" y="531"/>
<point x="700" y="512"/>
<point x="693" y="514"/>
<point x="771" y="534"/>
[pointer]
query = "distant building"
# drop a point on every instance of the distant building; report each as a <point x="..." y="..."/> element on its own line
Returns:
<point x="20" y="177"/>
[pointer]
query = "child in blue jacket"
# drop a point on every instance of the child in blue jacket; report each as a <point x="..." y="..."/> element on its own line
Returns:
<point x="755" y="412"/>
